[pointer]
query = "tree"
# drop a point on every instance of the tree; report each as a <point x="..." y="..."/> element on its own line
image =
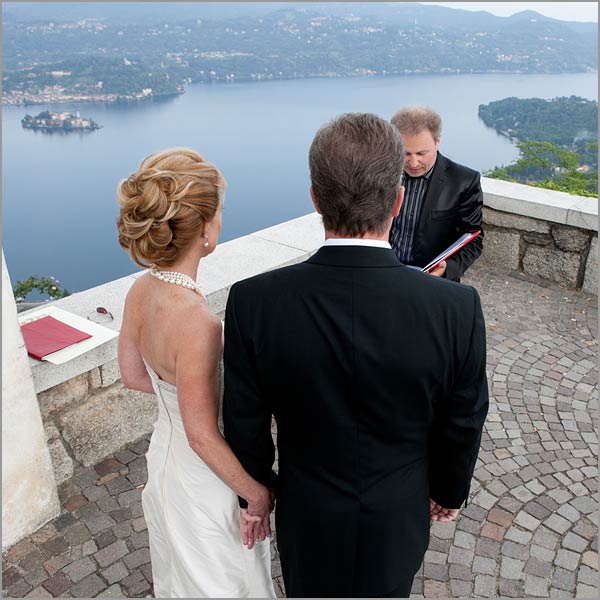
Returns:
<point x="44" y="285"/>
<point x="543" y="164"/>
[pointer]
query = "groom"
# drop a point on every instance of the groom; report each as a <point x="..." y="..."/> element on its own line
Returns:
<point x="375" y="374"/>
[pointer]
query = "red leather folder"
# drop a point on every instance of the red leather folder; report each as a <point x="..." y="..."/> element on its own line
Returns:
<point x="47" y="335"/>
<point x="448" y="252"/>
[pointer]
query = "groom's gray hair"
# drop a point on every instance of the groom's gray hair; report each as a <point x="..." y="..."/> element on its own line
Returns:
<point x="356" y="162"/>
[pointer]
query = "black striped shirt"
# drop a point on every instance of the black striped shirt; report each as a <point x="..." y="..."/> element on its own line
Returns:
<point x="402" y="233"/>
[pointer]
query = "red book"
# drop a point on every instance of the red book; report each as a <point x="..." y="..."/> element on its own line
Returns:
<point x="462" y="241"/>
<point x="48" y="335"/>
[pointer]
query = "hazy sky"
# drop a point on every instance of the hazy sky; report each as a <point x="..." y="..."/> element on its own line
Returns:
<point x="566" y="11"/>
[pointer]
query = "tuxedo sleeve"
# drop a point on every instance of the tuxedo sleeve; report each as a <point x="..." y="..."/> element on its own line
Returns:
<point x="246" y="413"/>
<point x="470" y="216"/>
<point x="458" y="421"/>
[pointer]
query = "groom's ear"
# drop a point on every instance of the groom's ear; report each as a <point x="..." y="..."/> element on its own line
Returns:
<point x="314" y="201"/>
<point x="399" y="201"/>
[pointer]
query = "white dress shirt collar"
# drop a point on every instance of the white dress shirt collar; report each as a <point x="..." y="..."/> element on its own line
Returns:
<point x="356" y="242"/>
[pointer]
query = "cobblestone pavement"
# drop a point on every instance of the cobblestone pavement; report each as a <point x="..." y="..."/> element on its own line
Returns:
<point x="529" y="529"/>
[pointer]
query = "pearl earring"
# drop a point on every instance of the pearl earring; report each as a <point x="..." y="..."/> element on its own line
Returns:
<point x="206" y="243"/>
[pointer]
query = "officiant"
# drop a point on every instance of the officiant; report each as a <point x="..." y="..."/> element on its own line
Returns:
<point x="443" y="199"/>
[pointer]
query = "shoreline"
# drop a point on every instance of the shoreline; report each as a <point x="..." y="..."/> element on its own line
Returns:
<point x="112" y="99"/>
<point x="108" y="99"/>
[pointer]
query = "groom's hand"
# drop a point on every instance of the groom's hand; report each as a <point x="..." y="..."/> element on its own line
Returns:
<point x="259" y="505"/>
<point x="255" y="524"/>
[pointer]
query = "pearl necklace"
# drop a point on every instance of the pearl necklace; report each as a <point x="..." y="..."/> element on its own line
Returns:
<point x="176" y="278"/>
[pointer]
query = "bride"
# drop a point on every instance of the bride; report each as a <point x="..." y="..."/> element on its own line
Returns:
<point x="170" y="344"/>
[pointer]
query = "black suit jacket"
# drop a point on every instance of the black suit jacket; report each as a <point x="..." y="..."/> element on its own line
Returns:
<point x="375" y="373"/>
<point x="452" y="206"/>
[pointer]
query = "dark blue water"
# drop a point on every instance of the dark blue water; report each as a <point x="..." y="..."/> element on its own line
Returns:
<point x="58" y="191"/>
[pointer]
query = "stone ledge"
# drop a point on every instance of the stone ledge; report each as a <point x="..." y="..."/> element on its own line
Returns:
<point x="271" y="248"/>
<point x="539" y="203"/>
<point x="278" y="246"/>
<point x="512" y="221"/>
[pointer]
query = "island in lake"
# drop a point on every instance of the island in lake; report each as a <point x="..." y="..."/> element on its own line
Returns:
<point x="64" y="121"/>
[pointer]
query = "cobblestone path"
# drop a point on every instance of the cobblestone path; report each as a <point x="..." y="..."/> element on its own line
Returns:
<point x="529" y="529"/>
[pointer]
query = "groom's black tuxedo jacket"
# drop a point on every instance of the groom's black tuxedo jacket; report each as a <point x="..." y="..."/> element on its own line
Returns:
<point x="375" y="374"/>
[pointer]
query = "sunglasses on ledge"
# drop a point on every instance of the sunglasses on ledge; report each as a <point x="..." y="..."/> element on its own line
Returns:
<point x="101" y="315"/>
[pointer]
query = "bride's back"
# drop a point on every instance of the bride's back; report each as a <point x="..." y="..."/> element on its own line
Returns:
<point x="170" y="218"/>
<point x="159" y="314"/>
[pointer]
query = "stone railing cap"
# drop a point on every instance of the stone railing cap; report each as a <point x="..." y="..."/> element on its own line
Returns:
<point x="539" y="203"/>
<point x="277" y="246"/>
<point x="280" y="245"/>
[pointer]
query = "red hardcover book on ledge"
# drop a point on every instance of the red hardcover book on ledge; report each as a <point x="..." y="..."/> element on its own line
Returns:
<point x="48" y="335"/>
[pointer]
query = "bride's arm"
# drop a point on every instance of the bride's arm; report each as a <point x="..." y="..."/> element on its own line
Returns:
<point x="131" y="364"/>
<point x="198" y="389"/>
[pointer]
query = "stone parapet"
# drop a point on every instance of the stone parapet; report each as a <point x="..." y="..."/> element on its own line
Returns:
<point x="541" y="204"/>
<point x="87" y="413"/>
<point x="546" y="234"/>
<point x="271" y="248"/>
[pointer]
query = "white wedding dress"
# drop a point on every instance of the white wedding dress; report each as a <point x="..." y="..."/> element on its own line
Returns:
<point x="193" y="519"/>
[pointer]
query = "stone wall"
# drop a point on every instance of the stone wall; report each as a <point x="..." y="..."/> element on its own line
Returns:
<point x="91" y="416"/>
<point x="546" y="234"/>
<point x="86" y="411"/>
<point x="560" y="253"/>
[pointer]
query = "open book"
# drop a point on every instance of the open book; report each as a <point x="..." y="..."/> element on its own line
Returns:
<point x="462" y="241"/>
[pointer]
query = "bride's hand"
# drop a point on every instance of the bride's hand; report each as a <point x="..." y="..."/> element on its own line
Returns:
<point x="247" y="528"/>
<point x="256" y="523"/>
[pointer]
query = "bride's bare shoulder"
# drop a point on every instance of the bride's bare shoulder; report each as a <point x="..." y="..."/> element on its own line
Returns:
<point x="181" y="311"/>
<point x="134" y="299"/>
<point x="137" y="289"/>
<point x="193" y="314"/>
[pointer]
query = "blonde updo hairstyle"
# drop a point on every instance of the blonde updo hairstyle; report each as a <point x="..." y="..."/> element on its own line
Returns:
<point x="165" y="204"/>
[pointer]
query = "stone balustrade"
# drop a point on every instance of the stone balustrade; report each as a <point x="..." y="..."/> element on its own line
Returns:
<point x="541" y="232"/>
<point x="87" y="413"/>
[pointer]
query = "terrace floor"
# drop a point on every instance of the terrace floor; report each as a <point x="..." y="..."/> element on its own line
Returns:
<point x="529" y="529"/>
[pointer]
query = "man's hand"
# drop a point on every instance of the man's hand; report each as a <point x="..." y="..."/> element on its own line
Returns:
<point x="439" y="270"/>
<point x="439" y="513"/>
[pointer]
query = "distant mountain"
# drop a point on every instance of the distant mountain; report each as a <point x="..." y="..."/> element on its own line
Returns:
<point x="434" y="16"/>
<point x="210" y="41"/>
<point x="138" y="11"/>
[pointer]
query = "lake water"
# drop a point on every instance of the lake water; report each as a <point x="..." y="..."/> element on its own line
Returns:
<point x="58" y="191"/>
